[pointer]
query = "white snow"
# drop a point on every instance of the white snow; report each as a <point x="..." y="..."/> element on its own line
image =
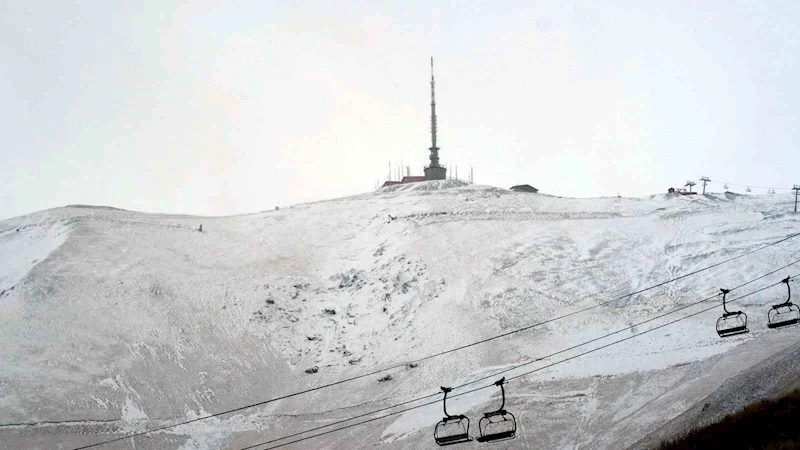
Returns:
<point x="23" y="247"/>
<point x="140" y="318"/>
<point x="132" y="413"/>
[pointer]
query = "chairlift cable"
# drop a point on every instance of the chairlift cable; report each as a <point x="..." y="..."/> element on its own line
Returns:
<point x="444" y="352"/>
<point x="592" y="307"/>
<point x="495" y="374"/>
<point x="652" y="329"/>
<point x="435" y="355"/>
<point x="508" y="379"/>
<point x="750" y="185"/>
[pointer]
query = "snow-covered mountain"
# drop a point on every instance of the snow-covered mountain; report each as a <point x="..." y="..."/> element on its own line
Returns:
<point x="114" y="321"/>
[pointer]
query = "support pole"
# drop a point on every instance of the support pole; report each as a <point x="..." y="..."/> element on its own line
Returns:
<point x="704" y="180"/>
<point x="796" y="190"/>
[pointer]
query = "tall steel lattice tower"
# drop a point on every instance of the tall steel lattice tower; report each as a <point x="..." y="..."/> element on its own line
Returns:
<point x="434" y="171"/>
<point x="434" y="149"/>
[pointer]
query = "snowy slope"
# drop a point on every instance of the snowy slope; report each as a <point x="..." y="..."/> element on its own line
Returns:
<point x="116" y="321"/>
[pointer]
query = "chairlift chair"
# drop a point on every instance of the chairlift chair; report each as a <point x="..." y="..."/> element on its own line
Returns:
<point x="451" y="429"/>
<point x="748" y="189"/>
<point x="784" y="314"/>
<point x="726" y="186"/>
<point x="497" y="425"/>
<point x="732" y="322"/>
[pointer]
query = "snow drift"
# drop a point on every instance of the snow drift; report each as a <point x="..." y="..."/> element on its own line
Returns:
<point x="115" y="321"/>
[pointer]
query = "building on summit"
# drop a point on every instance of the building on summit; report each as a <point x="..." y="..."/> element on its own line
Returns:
<point x="524" y="188"/>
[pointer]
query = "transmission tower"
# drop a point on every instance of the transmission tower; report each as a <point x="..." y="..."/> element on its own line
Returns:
<point x="705" y="180"/>
<point x="434" y="171"/>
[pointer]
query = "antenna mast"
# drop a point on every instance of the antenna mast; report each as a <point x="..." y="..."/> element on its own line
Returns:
<point x="434" y="148"/>
<point x="434" y="171"/>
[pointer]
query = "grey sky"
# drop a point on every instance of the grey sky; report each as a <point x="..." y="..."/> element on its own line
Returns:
<point x="229" y="107"/>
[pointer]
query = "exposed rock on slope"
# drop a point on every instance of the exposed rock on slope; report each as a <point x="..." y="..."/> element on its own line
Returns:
<point x="114" y="321"/>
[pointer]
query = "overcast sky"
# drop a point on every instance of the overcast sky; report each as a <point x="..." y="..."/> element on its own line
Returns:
<point x="206" y="107"/>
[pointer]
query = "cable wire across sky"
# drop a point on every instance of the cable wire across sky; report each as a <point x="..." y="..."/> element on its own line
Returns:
<point x="444" y="352"/>
<point x="494" y="375"/>
<point x="524" y="374"/>
<point x="751" y="185"/>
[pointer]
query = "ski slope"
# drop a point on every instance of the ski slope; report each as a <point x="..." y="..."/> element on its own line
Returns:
<point x="115" y="321"/>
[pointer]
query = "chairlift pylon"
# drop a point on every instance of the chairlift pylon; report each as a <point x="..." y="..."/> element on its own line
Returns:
<point x="451" y="429"/>
<point x="784" y="314"/>
<point x="732" y="322"/>
<point x="499" y="425"/>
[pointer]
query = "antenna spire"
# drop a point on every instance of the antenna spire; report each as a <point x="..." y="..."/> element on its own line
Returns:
<point x="434" y="148"/>
<point x="434" y="171"/>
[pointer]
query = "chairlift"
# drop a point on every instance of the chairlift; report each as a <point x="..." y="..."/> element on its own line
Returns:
<point x="748" y="189"/>
<point x="726" y="186"/>
<point x="499" y="425"/>
<point x="732" y="322"/>
<point x="451" y="429"/>
<point x="784" y="314"/>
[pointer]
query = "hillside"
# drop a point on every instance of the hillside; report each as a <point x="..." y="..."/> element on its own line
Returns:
<point x="769" y="425"/>
<point x="116" y="321"/>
